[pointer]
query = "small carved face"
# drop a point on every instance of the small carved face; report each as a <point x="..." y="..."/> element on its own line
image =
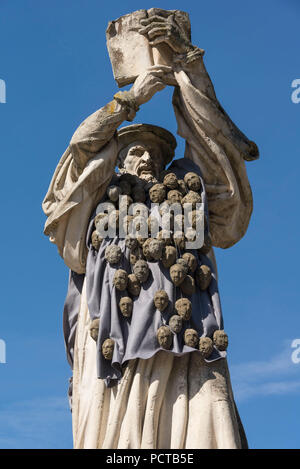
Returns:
<point x="134" y="286"/>
<point x="220" y="340"/>
<point x="193" y="181"/>
<point x="175" y="323"/>
<point x="191" y="261"/>
<point x="181" y="186"/>
<point x="191" y="338"/>
<point x="170" y="181"/>
<point x="164" y="337"/>
<point x="203" y="276"/>
<point x="113" y="254"/>
<point x="96" y="240"/>
<point x="193" y="198"/>
<point x="168" y="256"/>
<point x="177" y="273"/>
<point x="101" y="222"/>
<point x="126" y="306"/>
<point x="120" y="279"/>
<point x="179" y="222"/>
<point x="131" y="242"/>
<point x="108" y="349"/>
<point x="141" y="270"/>
<point x="205" y="346"/>
<point x="183" y="307"/>
<point x="174" y="196"/>
<point x="161" y="300"/>
<point x="179" y="239"/>
<point x="156" y="248"/>
<point x="157" y="193"/>
<point x="94" y="329"/>
<point x="165" y="236"/>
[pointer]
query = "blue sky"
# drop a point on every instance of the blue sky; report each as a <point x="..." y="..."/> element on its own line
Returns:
<point x="57" y="72"/>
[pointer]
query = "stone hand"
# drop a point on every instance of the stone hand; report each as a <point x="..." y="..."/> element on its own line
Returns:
<point x="160" y="30"/>
<point x="149" y="82"/>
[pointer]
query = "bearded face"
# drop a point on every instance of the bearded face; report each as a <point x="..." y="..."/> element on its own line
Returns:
<point x="144" y="159"/>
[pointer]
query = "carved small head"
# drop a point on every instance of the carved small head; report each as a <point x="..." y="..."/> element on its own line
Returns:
<point x="175" y="323"/>
<point x="113" y="254"/>
<point x="131" y="242"/>
<point x="168" y="256"/>
<point x="161" y="300"/>
<point x="120" y="279"/>
<point x="157" y="193"/>
<point x="203" y="276"/>
<point x="220" y="339"/>
<point x="191" y="338"/>
<point x="134" y="286"/>
<point x="205" y="346"/>
<point x="156" y="248"/>
<point x="141" y="270"/>
<point x="170" y="181"/>
<point x="183" y="307"/>
<point x="191" y="261"/>
<point x="94" y="329"/>
<point x="193" y="181"/>
<point x="177" y="274"/>
<point x="183" y="264"/>
<point x="174" y="196"/>
<point x="193" y="198"/>
<point x="96" y="240"/>
<point x="126" y="306"/>
<point x="108" y="349"/>
<point x="164" y="337"/>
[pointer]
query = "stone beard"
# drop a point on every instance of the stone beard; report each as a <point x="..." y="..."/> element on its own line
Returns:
<point x="142" y="317"/>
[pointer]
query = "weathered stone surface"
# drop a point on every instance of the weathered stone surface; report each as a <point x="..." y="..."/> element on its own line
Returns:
<point x="193" y="182"/>
<point x="131" y="242"/>
<point x="165" y="236"/>
<point x="96" y="240"/>
<point x="205" y="346"/>
<point x="174" y="196"/>
<point x="120" y="279"/>
<point x="179" y="240"/>
<point x="183" y="264"/>
<point x="113" y="254"/>
<point x="113" y="219"/>
<point x="183" y="307"/>
<point x="101" y="222"/>
<point x="133" y="286"/>
<point x="141" y="271"/>
<point x="170" y="181"/>
<point x="191" y="338"/>
<point x="191" y="261"/>
<point x="177" y="274"/>
<point x="193" y="198"/>
<point x="108" y="349"/>
<point x="168" y="256"/>
<point x="220" y="339"/>
<point x="156" y="249"/>
<point x="126" y="305"/>
<point x="161" y="300"/>
<point x="165" y="337"/>
<point x="164" y="208"/>
<point x="175" y="323"/>
<point x="157" y="193"/>
<point x="203" y="276"/>
<point x="94" y="329"/>
<point x="182" y="187"/>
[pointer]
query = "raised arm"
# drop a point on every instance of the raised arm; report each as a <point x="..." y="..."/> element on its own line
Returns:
<point x="85" y="169"/>
<point x="212" y="140"/>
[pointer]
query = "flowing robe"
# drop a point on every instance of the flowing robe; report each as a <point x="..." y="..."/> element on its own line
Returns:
<point x="144" y="409"/>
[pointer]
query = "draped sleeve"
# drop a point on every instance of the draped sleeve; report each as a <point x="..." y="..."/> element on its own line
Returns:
<point x="79" y="182"/>
<point x="220" y="149"/>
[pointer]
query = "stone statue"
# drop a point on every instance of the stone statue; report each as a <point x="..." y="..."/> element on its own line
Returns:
<point x="139" y="368"/>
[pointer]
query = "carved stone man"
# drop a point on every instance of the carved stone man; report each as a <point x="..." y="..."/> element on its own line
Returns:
<point x="106" y="407"/>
